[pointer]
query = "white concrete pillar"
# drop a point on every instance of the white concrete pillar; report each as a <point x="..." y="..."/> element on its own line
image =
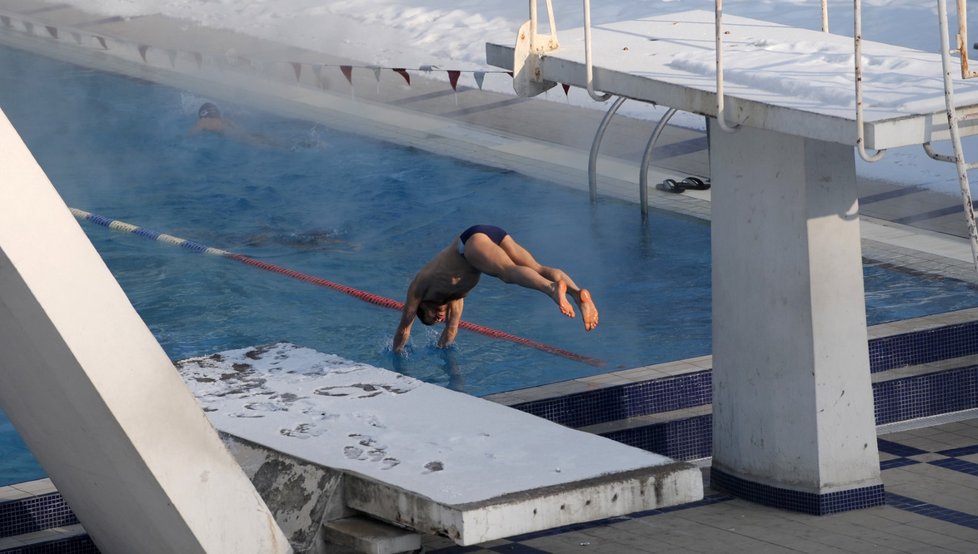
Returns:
<point x="95" y="397"/>
<point x="793" y="418"/>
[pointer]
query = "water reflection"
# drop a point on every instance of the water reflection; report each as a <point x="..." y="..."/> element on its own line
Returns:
<point x="449" y="363"/>
<point x="456" y="380"/>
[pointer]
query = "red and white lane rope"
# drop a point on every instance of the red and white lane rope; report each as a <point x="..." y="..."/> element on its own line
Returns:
<point x="319" y="281"/>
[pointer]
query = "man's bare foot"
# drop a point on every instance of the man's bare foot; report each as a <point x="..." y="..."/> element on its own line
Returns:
<point x="589" y="312"/>
<point x="560" y="297"/>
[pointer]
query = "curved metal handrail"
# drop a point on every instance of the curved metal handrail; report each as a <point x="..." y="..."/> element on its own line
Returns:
<point x="643" y="176"/>
<point x="592" y="162"/>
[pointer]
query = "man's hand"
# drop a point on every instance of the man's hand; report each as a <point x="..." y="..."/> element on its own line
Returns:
<point x="401" y="337"/>
<point x="408" y="313"/>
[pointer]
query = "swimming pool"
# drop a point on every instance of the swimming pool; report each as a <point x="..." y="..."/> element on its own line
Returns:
<point x="368" y="215"/>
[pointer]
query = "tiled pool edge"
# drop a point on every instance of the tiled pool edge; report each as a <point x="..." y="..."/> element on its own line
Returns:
<point x="680" y="393"/>
<point x="890" y="345"/>
<point x="35" y="519"/>
<point x="32" y="506"/>
<point x="683" y="385"/>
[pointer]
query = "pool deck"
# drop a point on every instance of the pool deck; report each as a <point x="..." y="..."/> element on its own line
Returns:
<point x="929" y="466"/>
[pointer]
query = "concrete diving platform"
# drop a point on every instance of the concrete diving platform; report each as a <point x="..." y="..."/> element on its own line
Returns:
<point x="792" y="419"/>
<point x="320" y="436"/>
<point x="776" y="77"/>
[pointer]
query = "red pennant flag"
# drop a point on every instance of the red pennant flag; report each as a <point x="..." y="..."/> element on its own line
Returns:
<point x="297" y="68"/>
<point x="453" y="75"/>
<point x="348" y="73"/>
<point x="403" y="73"/>
<point x="142" y="51"/>
<point x="566" y="88"/>
<point x="53" y="31"/>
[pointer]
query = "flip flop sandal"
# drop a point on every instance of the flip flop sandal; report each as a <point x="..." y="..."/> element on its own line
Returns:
<point x="670" y="185"/>
<point x="695" y="183"/>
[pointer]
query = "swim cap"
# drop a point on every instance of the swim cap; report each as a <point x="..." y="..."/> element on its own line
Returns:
<point x="208" y="110"/>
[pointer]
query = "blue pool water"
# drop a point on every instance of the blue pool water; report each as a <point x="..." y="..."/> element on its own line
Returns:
<point x="368" y="215"/>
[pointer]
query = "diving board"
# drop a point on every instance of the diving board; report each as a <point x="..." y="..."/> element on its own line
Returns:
<point x="780" y="78"/>
<point x="419" y="455"/>
<point x="793" y="419"/>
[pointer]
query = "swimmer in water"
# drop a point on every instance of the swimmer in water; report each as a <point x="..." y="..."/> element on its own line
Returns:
<point x="209" y="120"/>
<point x="438" y="290"/>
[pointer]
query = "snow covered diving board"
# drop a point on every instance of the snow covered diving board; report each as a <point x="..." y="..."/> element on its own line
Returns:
<point x="425" y="457"/>
<point x="786" y="79"/>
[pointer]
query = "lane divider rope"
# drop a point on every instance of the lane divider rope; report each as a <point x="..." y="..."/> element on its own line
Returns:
<point x="319" y="281"/>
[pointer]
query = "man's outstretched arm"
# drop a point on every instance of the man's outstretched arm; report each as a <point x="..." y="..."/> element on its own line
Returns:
<point x="408" y="313"/>
<point x="451" y="322"/>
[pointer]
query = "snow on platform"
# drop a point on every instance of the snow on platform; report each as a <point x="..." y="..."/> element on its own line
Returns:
<point x="428" y="457"/>
<point x="795" y="81"/>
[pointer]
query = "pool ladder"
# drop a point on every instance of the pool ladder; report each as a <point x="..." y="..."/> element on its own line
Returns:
<point x="643" y="176"/>
<point x="953" y="117"/>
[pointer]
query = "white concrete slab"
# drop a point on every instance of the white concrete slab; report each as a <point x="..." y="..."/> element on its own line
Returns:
<point x="428" y="457"/>
<point x="794" y="81"/>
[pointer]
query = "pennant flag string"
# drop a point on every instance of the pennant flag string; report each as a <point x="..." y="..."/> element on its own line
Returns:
<point x="234" y="59"/>
<point x="453" y="74"/>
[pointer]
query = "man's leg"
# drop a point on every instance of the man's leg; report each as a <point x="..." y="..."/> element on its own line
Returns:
<point x="520" y="267"/>
<point x="487" y="257"/>
<point x="522" y="257"/>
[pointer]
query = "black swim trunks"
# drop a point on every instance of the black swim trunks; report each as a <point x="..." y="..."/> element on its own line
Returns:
<point x="494" y="233"/>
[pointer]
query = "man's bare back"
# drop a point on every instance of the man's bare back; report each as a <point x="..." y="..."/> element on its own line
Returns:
<point x="447" y="276"/>
<point x="436" y="294"/>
